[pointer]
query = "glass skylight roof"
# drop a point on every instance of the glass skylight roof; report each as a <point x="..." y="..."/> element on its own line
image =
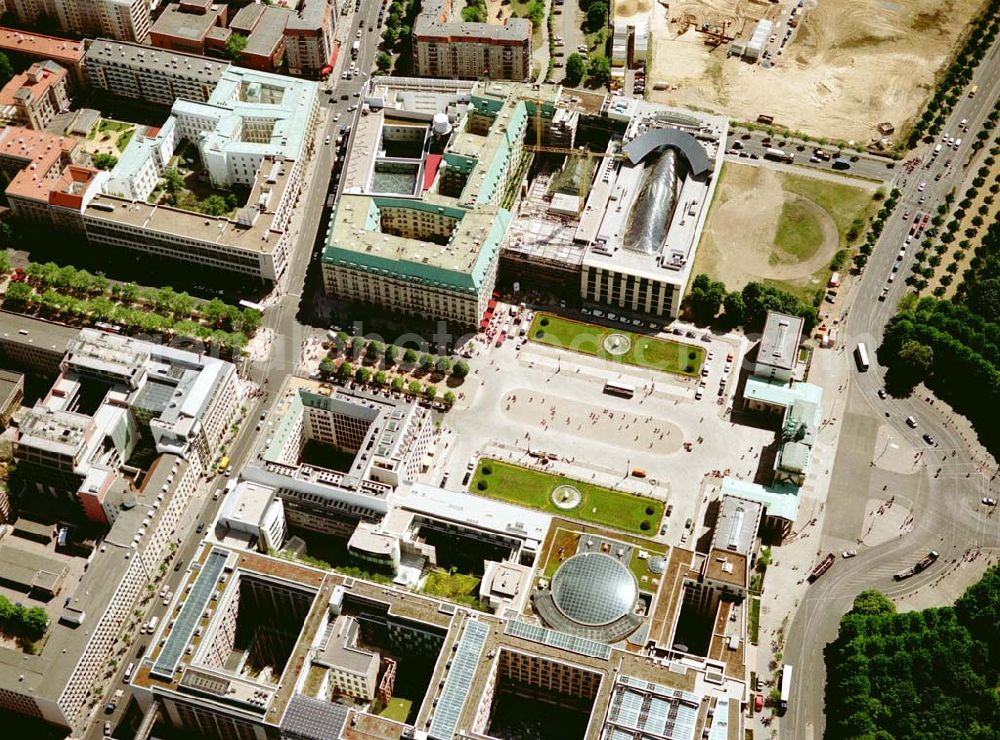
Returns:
<point x="594" y="589"/>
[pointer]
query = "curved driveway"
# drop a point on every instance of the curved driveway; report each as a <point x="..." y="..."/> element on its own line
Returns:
<point x="945" y="505"/>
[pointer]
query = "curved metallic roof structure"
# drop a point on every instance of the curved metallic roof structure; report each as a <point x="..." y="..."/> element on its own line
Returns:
<point x="685" y="143"/>
<point x="594" y="589"/>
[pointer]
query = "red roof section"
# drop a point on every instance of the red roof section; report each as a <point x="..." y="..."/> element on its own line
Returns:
<point x="431" y="165"/>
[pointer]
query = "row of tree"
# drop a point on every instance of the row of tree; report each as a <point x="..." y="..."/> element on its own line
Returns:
<point x="345" y="371"/>
<point x="597" y="70"/>
<point x="177" y="305"/>
<point x="373" y="352"/>
<point x="878" y="223"/>
<point x="18" y="621"/>
<point x="950" y="88"/>
<point x="748" y="307"/>
<point x="928" y="674"/>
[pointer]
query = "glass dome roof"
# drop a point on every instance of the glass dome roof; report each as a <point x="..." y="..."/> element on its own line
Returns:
<point x="594" y="589"/>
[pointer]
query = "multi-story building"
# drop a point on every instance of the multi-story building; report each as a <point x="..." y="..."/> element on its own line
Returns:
<point x="645" y="212"/>
<point x="114" y="391"/>
<point x="33" y="47"/>
<point x="353" y="671"/>
<point x="33" y="345"/>
<point x="446" y="46"/>
<point x="309" y="37"/>
<point x="301" y="669"/>
<point x="778" y="349"/>
<point x="263" y="27"/>
<point x="11" y="395"/>
<point x="420" y="232"/>
<point x="192" y="26"/>
<point x="151" y="75"/>
<point x="388" y="440"/>
<point x="33" y="98"/>
<point x="124" y="20"/>
<point x="141" y="166"/>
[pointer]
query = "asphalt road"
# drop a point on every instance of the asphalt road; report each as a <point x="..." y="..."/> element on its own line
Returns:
<point x="744" y="143"/>
<point x="290" y="319"/>
<point x="945" y="507"/>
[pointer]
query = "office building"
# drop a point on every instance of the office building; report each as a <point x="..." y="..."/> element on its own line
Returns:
<point x="380" y="442"/>
<point x="152" y="75"/>
<point x="114" y="394"/>
<point x="254" y="646"/>
<point x="34" y="346"/>
<point x="11" y="395"/>
<point x="264" y="28"/>
<point x="309" y="38"/>
<point x="778" y="350"/>
<point x="123" y="20"/>
<point x="33" y="98"/>
<point x="446" y="46"/>
<point x="647" y="207"/>
<point x="192" y="26"/>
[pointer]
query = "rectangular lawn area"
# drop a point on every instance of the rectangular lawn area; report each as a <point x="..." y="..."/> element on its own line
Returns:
<point x="645" y="351"/>
<point x="598" y="505"/>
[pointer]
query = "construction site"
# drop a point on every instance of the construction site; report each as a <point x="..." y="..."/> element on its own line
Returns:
<point x="805" y="64"/>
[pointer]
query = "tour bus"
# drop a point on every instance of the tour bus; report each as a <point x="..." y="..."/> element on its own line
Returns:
<point x="617" y="388"/>
<point x="128" y="672"/>
<point x="861" y="356"/>
<point x="786" y="686"/>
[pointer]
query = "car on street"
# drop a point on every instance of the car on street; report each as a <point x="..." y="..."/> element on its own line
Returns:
<point x="200" y="528"/>
<point x="326" y="140"/>
<point x="911" y="422"/>
<point x="930" y="440"/>
<point x="882" y="394"/>
<point x="849" y="553"/>
<point x="698" y="394"/>
<point x="883" y="294"/>
<point x="989" y="501"/>
<point x="921" y="187"/>
<point x="107" y="729"/>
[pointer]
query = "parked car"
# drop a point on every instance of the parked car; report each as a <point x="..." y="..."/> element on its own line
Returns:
<point x="850" y="553"/>
<point x="989" y="501"/>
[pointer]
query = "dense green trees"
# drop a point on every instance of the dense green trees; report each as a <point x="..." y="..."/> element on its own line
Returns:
<point x="575" y="69"/>
<point x="597" y="15"/>
<point x="235" y="46"/>
<point x="18" y="621"/>
<point x="927" y="674"/>
<point x="747" y="307"/>
<point x="599" y="70"/>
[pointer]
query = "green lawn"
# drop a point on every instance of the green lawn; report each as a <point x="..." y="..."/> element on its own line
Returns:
<point x="462" y="588"/>
<point x="646" y="351"/>
<point x="799" y="234"/>
<point x="598" y="505"/>
<point x="754" y="619"/>
<point x="397" y="709"/>
<point x="844" y="203"/>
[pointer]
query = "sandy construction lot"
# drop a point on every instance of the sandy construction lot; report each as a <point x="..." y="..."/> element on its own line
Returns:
<point x="850" y="65"/>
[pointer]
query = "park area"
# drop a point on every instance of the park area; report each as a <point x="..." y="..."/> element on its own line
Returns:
<point x="536" y="489"/>
<point x="617" y="345"/>
<point x="848" y="66"/>
<point x="779" y="228"/>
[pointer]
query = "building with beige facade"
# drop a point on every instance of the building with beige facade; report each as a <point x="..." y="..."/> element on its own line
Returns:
<point x="446" y="46"/>
<point x="33" y="98"/>
<point x="123" y="20"/>
<point x="309" y="37"/>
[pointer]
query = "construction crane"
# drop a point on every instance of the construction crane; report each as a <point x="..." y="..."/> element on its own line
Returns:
<point x="539" y="148"/>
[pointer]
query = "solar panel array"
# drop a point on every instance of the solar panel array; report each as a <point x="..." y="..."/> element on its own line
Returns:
<point x="655" y="711"/>
<point x="313" y="719"/>
<point x="456" y="685"/>
<point x="554" y="638"/>
<point x="166" y="662"/>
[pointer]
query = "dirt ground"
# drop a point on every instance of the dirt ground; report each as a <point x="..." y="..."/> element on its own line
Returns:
<point x="737" y="245"/>
<point x="497" y="11"/>
<point x="850" y="64"/>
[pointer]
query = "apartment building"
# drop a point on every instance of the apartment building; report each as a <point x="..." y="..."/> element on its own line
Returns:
<point x="123" y="20"/>
<point x="309" y="37"/>
<point x="446" y="46"/>
<point x="34" y="47"/>
<point x="353" y="670"/>
<point x="152" y="75"/>
<point x="33" y="98"/>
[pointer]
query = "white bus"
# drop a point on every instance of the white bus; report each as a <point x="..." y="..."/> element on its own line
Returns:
<point x="786" y="685"/>
<point x="250" y="304"/>
<point x="617" y="388"/>
<point x="861" y="356"/>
